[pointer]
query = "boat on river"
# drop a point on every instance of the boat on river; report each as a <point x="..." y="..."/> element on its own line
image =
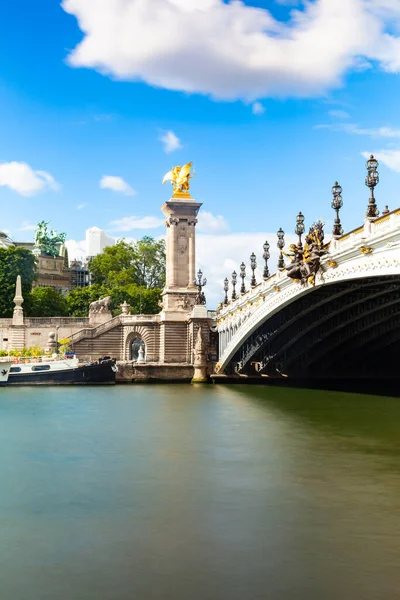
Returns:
<point x="61" y="371"/>
<point x="5" y="367"/>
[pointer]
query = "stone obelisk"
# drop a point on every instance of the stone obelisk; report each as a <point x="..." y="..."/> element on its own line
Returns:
<point x="18" y="328"/>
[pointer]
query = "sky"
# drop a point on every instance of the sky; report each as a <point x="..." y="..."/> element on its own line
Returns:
<point x="272" y="100"/>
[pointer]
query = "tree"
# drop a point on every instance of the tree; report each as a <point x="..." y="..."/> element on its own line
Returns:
<point x="79" y="300"/>
<point x="47" y="302"/>
<point x="14" y="262"/>
<point x="142" y="300"/>
<point x="150" y="263"/>
<point x="141" y="263"/>
<point x="114" y="260"/>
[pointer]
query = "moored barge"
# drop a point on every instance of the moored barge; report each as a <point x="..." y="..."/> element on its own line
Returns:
<point x="62" y="371"/>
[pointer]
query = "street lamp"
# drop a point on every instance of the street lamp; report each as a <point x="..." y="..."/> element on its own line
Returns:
<point x="266" y="256"/>
<point x="299" y="230"/>
<point x="281" y="245"/>
<point x="200" y="282"/>
<point x="253" y="265"/>
<point x="337" y="204"/>
<point x="226" y="288"/>
<point x="371" y="180"/>
<point x="243" y="275"/>
<point x="234" y="282"/>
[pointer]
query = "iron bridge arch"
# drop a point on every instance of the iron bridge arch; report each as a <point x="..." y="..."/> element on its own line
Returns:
<point x="349" y="328"/>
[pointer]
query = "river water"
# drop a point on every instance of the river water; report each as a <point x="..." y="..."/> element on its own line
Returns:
<point x="198" y="493"/>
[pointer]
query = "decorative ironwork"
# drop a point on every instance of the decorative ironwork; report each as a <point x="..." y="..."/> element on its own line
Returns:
<point x="200" y="282"/>
<point x="243" y="276"/>
<point x="266" y="257"/>
<point x="372" y="180"/>
<point x="253" y="265"/>
<point x="281" y="245"/>
<point x="299" y="229"/>
<point x="234" y="282"/>
<point x="337" y="204"/>
<point x="306" y="261"/>
<point x="226" y="288"/>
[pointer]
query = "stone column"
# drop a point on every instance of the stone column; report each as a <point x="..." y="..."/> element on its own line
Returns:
<point x="181" y="218"/>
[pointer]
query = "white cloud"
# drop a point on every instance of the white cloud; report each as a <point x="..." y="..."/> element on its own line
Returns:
<point x="232" y="50"/>
<point x="117" y="184"/>
<point x="210" y="223"/>
<point x="258" y="108"/>
<point x="81" y="206"/>
<point x="170" y="142"/>
<point x="132" y="223"/>
<point x="27" y="226"/>
<point x="21" y="178"/>
<point x="76" y="249"/>
<point x="352" y="128"/>
<point x="220" y="254"/>
<point x="390" y="158"/>
<point x="339" y="114"/>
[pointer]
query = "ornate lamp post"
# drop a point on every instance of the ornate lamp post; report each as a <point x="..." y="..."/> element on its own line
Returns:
<point x="200" y="283"/>
<point x="243" y="275"/>
<point x="234" y="282"/>
<point x="371" y="180"/>
<point x="226" y="288"/>
<point x="253" y="265"/>
<point x="281" y="245"/>
<point x="299" y="230"/>
<point x="266" y="256"/>
<point x="337" y="204"/>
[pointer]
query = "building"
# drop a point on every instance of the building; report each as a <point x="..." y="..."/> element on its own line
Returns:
<point x="51" y="271"/>
<point x="96" y="241"/>
<point x="79" y="273"/>
<point x="5" y="240"/>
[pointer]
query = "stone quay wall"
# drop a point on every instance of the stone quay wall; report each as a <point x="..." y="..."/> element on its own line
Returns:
<point x="35" y="331"/>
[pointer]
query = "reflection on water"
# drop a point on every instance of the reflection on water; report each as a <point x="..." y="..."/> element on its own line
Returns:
<point x="205" y="492"/>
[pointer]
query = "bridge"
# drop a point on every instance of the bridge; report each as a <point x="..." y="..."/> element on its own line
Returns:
<point x="339" y="318"/>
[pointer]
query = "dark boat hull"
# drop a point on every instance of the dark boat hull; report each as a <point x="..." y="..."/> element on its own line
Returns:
<point x="96" y="374"/>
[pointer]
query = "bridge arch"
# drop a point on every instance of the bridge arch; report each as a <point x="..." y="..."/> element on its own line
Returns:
<point x="284" y="324"/>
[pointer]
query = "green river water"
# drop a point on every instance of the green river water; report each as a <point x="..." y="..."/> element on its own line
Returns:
<point x="178" y="492"/>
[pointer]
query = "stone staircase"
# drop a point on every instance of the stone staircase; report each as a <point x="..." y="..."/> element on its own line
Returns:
<point x="103" y="340"/>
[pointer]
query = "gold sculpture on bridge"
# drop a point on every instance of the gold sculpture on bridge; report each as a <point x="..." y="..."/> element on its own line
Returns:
<point x="306" y="261"/>
<point x="180" y="179"/>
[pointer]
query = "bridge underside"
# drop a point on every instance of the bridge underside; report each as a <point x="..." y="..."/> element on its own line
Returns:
<point x="347" y="329"/>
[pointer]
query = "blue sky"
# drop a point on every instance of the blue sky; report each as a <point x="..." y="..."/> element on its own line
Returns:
<point x="323" y="82"/>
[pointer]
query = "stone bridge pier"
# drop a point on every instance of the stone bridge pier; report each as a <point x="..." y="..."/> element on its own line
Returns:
<point x="162" y="346"/>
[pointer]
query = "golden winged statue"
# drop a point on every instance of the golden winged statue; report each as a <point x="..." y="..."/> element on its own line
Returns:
<point x="180" y="179"/>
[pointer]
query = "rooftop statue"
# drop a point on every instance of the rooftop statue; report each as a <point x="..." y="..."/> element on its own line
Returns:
<point x="180" y="179"/>
<point x="48" y="241"/>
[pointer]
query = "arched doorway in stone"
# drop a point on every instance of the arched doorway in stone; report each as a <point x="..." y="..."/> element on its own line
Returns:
<point x="137" y="349"/>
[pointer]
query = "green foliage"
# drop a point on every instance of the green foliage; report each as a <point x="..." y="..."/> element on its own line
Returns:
<point x="33" y="351"/>
<point x="14" y="262"/>
<point x="141" y="263"/>
<point x="79" y="300"/>
<point x="47" y="302"/>
<point x="141" y="299"/>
